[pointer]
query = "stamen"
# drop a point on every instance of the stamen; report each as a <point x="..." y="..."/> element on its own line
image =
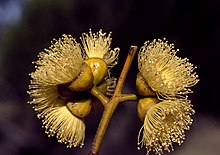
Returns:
<point x="167" y="74"/>
<point x="68" y="129"/>
<point x="96" y="45"/>
<point x="59" y="64"/>
<point x="165" y="123"/>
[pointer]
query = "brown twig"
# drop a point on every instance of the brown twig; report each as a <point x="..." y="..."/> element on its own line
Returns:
<point x="112" y="104"/>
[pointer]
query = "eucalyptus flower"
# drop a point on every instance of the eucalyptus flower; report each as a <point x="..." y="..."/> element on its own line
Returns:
<point x="99" y="56"/>
<point x="164" y="123"/>
<point x="166" y="74"/>
<point x="97" y="45"/>
<point x="58" y="65"/>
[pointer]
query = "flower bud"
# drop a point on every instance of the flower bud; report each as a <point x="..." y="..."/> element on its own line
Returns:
<point x="144" y="105"/>
<point x="142" y="87"/>
<point x="99" y="69"/>
<point x="79" y="108"/>
<point x="84" y="80"/>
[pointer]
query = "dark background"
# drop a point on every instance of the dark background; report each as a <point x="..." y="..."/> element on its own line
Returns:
<point x="28" y="26"/>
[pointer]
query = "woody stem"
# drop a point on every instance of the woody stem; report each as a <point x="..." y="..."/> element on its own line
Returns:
<point x="111" y="105"/>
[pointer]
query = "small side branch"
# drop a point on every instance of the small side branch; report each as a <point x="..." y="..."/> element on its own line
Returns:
<point x="128" y="97"/>
<point x="95" y="92"/>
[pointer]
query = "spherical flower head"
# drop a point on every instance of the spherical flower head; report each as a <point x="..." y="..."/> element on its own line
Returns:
<point x="58" y="65"/>
<point x="165" y="123"/>
<point x="97" y="45"/>
<point x="168" y="75"/>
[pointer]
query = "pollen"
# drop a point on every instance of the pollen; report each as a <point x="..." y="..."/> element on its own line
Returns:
<point x="165" y="123"/>
<point x="97" y="45"/>
<point x="168" y="75"/>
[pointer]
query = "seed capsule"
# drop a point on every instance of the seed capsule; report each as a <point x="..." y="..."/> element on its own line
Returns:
<point x="142" y="87"/>
<point x="84" y="80"/>
<point x="144" y="105"/>
<point x="99" y="69"/>
<point x="80" y="108"/>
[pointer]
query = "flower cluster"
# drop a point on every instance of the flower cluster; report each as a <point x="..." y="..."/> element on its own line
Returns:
<point x="67" y="72"/>
<point x="169" y="78"/>
<point x="62" y="72"/>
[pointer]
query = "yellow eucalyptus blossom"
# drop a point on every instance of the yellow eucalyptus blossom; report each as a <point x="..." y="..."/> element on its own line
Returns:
<point x="97" y="45"/>
<point x="168" y="75"/>
<point x="59" y="121"/>
<point x="165" y="123"/>
<point x="100" y="58"/>
<point x="60" y="64"/>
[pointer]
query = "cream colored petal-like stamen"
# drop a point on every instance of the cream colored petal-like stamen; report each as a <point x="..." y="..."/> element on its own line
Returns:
<point x="97" y="45"/>
<point x="167" y="74"/>
<point x="57" y="119"/>
<point x="42" y="96"/>
<point x="60" y="122"/>
<point x="165" y="123"/>
<point x="59" y="64"/>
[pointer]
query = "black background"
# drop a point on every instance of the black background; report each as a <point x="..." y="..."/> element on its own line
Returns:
<point x="193" y="26"/>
